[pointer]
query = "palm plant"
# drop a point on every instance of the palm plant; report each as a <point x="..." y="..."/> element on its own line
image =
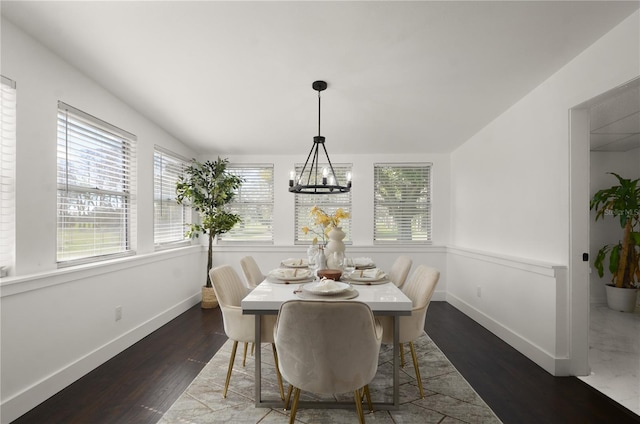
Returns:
<point x="620" y="201"/>
<point x="208" y="187"/>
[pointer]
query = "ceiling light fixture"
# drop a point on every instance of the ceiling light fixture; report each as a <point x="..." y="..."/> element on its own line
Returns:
<point x="312" y="179"/>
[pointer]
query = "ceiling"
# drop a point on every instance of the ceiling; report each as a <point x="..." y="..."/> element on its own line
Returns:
<point x="615" y="119"/>
<point x="235" y="77"/>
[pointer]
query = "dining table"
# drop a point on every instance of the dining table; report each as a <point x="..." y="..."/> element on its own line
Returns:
<point x="383" y="297"/>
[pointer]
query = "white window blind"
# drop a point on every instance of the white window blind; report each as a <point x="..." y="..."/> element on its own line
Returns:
<point x="254" y="203"/>
<point x="402" y="203"/>
<point x="169" y="218"/>
<point x="327" y="202"/>
<point x="7" y="174"/>
<point x="96" y="181"/>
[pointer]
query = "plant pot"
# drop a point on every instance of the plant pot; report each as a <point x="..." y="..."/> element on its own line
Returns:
<point x="209" y="300"/>
<point x="621" y="299"/>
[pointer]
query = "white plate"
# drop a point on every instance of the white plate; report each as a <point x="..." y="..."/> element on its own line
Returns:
<point x="302" y="274"/>
<point x="367" y="282"/>
<point x="367" y="279"/>
<point x="316" y="288"/>
<point x="295" y="263"/>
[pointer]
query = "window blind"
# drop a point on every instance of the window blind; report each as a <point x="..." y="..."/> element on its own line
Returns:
<point x="254" y="203"/>
<point x="169" y="218"/>
<point x="402" y="203"/>
<point x="96" y="181"/>
<point x="7" y="174"/>
<point x="327" y="202"/>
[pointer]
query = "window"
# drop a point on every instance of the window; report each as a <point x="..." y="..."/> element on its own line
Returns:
<point x="402" y="203"/>
<point x="327" y="202"/>
<point x="96" y="181"/>
<point x="254" y="203"/>
<point x="7" y="174"/>
<point x="169" y="218"/>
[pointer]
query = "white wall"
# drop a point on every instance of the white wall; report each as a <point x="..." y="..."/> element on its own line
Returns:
<point x="59" y="324"/>
<point x="510" y="196"/>
<point x="607" y="230"/>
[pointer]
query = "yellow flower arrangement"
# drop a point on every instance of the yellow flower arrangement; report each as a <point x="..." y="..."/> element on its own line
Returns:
<point x="324" y="222"/>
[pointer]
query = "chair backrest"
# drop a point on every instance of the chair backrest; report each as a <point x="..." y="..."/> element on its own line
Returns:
<point x="251" y="271"/>
<point x="230" y="290"/>
<point x="400" y="270"/>
<point x="327" y="347"/>
<point x="419" y="288"/>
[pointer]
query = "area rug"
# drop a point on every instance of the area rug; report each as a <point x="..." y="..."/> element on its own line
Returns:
<point x="448" y="397"/>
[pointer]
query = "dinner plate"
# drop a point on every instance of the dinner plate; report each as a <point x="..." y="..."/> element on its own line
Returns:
<point x="317" y="288"/>
<point x="384" y="280"/>
<point x="367" y="279"/>
<point x="303" y="274"/>
<point x="295" y="263"/>
<point x="278" y="281"/>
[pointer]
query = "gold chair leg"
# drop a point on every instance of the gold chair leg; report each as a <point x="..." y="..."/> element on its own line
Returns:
<point x="286" y="401"/>
<point x="294" y="407"/>
<point x="401" y="355"/>
<point x="233" y="357"/>
<point x="244" y="357"/>
<point x="356" y="395"/>
<point x="368" y="395"/>
<point x="415" y="365"/>
<point x="252" y="346"/>
<point x="275" y="358"/>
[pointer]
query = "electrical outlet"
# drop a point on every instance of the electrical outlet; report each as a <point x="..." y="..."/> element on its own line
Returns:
<point x="118" y="313"/>
<point x="479" y="291"/>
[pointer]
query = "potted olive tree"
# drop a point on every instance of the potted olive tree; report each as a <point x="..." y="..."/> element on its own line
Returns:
<point x="207" y="188"/>
<point x="621" y="201"/>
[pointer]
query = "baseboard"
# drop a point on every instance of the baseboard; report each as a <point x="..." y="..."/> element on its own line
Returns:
<point x="26" y="400"/>
<point x="554" y="366"/>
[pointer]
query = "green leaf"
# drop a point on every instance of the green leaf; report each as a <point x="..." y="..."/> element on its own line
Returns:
<point x="614" y="259"/>
<point x="598" y="263"/>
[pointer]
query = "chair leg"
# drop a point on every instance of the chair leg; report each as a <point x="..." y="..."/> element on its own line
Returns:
<point x="401" y="355"/>
<point x="368" y="395"/>
<point x="252" y="346"/>
<point x="359" y="406"/>
<point x="288" y="398"/>
<point x="275" y="358"/>
<point x="244" y="357"/>
<point x="415" y="365"/>
<point x="294" y="407"/>
<point x="233" y="357"/>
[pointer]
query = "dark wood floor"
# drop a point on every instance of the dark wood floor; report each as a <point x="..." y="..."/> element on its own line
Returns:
<point x="141" y="383"/>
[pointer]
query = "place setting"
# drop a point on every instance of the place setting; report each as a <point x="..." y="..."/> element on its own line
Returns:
<point x="326" y="289"/>
<point x="290" y="275"/>
<point x="364" y="276"/>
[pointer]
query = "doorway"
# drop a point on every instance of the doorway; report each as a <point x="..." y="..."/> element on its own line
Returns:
<point x="603" y="131"/>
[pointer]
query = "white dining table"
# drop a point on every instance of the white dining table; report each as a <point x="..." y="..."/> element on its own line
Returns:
<point x="383" y="299"/>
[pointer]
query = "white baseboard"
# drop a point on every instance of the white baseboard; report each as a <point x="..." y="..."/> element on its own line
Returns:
<point x="14" y="407"/>
<point x="554" y="366"/>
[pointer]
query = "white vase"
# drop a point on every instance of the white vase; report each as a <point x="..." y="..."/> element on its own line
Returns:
<point x="335" y="244"/>
<point x="621" y="299"/>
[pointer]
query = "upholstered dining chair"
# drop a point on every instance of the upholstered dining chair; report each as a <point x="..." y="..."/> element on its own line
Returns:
<point x="327" y="347"/>
<point x="251" y="271"/>
<point x="230" y="290"/>
<point x="419" y="289"/>
<point x="400" y="270"/>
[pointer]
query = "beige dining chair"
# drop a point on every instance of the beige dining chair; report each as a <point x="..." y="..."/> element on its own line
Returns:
<point x="230" y="291"/>
<point x="327" y="347"/>
<point x="251" y="271"/>
<point x="419" y="289"/>
<point x="400" y="270"/>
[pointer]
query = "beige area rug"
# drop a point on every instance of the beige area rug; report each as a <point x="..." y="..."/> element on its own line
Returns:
<point x="448" y="397"/>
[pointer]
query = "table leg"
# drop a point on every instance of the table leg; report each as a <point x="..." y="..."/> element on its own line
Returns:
<point x="258" y="361"/>
<point x="396" y="361"/>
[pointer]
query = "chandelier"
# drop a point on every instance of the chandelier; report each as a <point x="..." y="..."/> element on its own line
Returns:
<point x="312" y="179"/>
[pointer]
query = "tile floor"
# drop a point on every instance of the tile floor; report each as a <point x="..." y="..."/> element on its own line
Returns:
<point x="448" y="397"/>
<point x="614" y="355"/>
